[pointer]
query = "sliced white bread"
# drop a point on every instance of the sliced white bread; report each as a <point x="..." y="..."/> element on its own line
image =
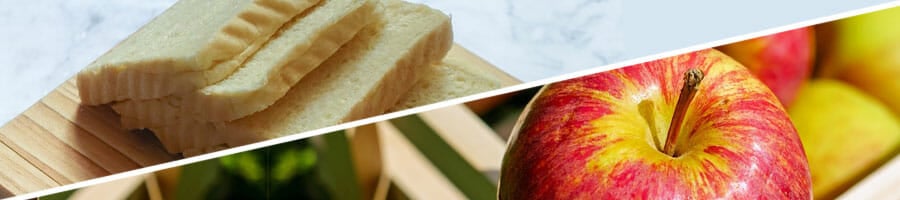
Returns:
<point x="300" y="47"/>
<point x="191" y="45"/>
<point x="453" y="78"/>
<point x="367" y="76"/>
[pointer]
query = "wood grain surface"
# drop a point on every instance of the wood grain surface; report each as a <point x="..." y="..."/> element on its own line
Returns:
<point x="58" y="141"/>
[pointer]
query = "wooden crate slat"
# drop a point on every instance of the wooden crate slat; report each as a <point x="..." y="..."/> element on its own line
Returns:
<point x="468" y="135"/>
<point x="118" y="189"/>
<point x="366" y="151"/>
<point x="884" y="183"/>
<point x="410" y="170"/>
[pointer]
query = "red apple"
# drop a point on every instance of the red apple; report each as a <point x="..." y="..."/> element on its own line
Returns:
<point x="782" y="61"/>
<point x="643" y="132"/>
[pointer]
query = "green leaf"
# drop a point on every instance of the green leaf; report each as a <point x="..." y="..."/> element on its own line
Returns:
<point x="336" y="166"/>
<point x="246" y="164"/>
<point x="293" y="161"/>
<point x="197" y="179"/>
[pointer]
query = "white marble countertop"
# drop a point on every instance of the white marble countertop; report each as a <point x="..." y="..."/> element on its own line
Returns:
<point x="45" y="42"/>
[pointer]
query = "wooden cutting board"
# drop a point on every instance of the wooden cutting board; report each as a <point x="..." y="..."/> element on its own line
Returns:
<point x="58" y="141"/>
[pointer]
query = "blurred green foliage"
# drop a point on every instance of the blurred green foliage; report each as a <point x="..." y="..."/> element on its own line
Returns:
<point x="278" y="172"/>
<point x="512" y="107"/>
<point x="59" y="196"/>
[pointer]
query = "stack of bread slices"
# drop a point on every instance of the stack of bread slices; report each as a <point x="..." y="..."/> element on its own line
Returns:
<point x="206" y="74"/>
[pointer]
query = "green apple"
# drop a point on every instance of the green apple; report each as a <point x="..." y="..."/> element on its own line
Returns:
<point x="845" y="134"/>
<point x="864" y="51"/>
<point x="693" y="126"/>
<point x="782" y="61"/>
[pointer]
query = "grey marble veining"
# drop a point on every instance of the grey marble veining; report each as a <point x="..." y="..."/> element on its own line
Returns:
<point x="535" y="39"/>
<point x="45" y="42"/>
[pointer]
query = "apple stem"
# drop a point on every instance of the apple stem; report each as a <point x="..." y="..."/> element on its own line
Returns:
<point x="692" y="79"/>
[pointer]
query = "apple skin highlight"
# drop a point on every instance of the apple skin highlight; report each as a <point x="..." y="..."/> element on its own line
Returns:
<point x="600" y="136"/>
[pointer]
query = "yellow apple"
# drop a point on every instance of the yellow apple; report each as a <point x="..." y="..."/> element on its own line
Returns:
<point x="845" y="134"/>
<point x="864" y="51"/>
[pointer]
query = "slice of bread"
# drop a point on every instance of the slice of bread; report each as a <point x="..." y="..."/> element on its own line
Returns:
<point x="191" y="45"/>
<point x="452" y="78"/>
<point x="365" y="77"/>
<point x="299" y="48"/>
